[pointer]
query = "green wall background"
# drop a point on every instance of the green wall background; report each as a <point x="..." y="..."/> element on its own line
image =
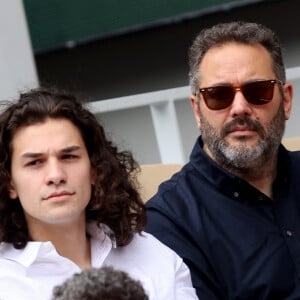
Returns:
<point x="57" y="23"/>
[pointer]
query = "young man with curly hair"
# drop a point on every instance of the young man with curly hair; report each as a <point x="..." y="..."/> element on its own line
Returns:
<point x="68" y="201"/>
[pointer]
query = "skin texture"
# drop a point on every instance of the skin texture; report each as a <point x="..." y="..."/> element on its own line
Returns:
<point x="242" y="136"/>
<point x="51" y="175"/>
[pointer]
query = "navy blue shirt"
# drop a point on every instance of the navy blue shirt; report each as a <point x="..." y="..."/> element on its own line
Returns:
<point x="237" y="242"/>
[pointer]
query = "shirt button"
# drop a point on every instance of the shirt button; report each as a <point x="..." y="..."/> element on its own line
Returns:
<point x="47" y="246"/>
<point x="289" y="233"/>
<point x="235" y="194"/>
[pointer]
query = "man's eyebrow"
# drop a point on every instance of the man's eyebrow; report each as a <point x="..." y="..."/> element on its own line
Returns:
<point x="31" y="154"/>
<point x="70" y="149"/>
<point x="38" y="154"/>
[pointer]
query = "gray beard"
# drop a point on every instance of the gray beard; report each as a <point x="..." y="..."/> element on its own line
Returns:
<point x="243" y="158"/>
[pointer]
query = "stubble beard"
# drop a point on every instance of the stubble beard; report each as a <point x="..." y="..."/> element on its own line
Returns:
<point x="245" y="159"/>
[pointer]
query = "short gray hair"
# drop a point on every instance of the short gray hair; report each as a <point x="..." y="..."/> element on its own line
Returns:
<point x="240" y="32"/>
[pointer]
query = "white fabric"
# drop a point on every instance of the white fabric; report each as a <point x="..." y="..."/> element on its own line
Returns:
<point x="32" y="272"/>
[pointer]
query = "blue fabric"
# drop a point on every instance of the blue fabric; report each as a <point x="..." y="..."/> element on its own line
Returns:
<point x="237" y="242"/>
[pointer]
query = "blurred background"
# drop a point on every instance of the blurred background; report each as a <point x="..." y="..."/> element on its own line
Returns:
<point x="128" y="60"/>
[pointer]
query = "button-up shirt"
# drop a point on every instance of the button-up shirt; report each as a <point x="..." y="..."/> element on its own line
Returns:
<point x="32" y="272"/>
<point x="237" y="242"/>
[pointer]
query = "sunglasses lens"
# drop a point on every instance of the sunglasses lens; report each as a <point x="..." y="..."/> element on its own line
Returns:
<point x="259" y="92"/>
<point x="218" y="97"/>
<point x="221" y="96"/>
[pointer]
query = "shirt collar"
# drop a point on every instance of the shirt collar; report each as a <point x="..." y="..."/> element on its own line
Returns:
<point x="101" y="237"/>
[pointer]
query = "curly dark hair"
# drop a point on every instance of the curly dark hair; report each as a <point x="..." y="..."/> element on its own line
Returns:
<point x="240" y="32"/>
<point x="104" y="283"/>
<point x="115" y="200"/>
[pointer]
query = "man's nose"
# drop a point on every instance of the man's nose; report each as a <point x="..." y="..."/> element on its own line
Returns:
<point x="55" y="173"/>
<point x="240" y="105"/>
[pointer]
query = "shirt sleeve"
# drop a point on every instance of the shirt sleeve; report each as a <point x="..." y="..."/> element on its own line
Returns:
<point x="183" y="284"/>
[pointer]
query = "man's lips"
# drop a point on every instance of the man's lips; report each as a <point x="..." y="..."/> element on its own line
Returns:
<point x="241" y="129"/>
<point x="241" y="132"/>
<point x="58" y="194"/>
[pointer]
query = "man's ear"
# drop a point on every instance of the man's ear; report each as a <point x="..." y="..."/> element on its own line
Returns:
<point x="12" y="191"/>
<point x="93" y="176"/>
<point x="287" y="99"/>
<point x="195" y="106"/>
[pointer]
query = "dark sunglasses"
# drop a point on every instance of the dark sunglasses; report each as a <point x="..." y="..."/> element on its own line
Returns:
<point x="257" y="92"/>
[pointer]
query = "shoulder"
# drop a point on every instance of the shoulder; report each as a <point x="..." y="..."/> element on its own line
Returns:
<point x="293" y="167"/>
<point x="161" y="271"/>
<point x="288" y="161"/>
<point x="176" y="186"/>
<point x="177" y="198"/>
<point x="146" y="245"/>
<point x="147" y="252"/>
<point x="294" y="155"/>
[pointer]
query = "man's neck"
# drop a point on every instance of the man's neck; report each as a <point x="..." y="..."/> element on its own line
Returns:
<point x="69" y="240"/>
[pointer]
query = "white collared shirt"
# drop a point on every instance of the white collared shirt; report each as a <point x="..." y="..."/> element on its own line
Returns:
<point x="32" y="272"/>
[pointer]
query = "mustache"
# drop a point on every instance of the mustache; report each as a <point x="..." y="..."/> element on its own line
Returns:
<point x="243" y="121"/>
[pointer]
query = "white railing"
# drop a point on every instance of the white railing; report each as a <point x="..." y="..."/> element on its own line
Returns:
<point x="164" y="116"/>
